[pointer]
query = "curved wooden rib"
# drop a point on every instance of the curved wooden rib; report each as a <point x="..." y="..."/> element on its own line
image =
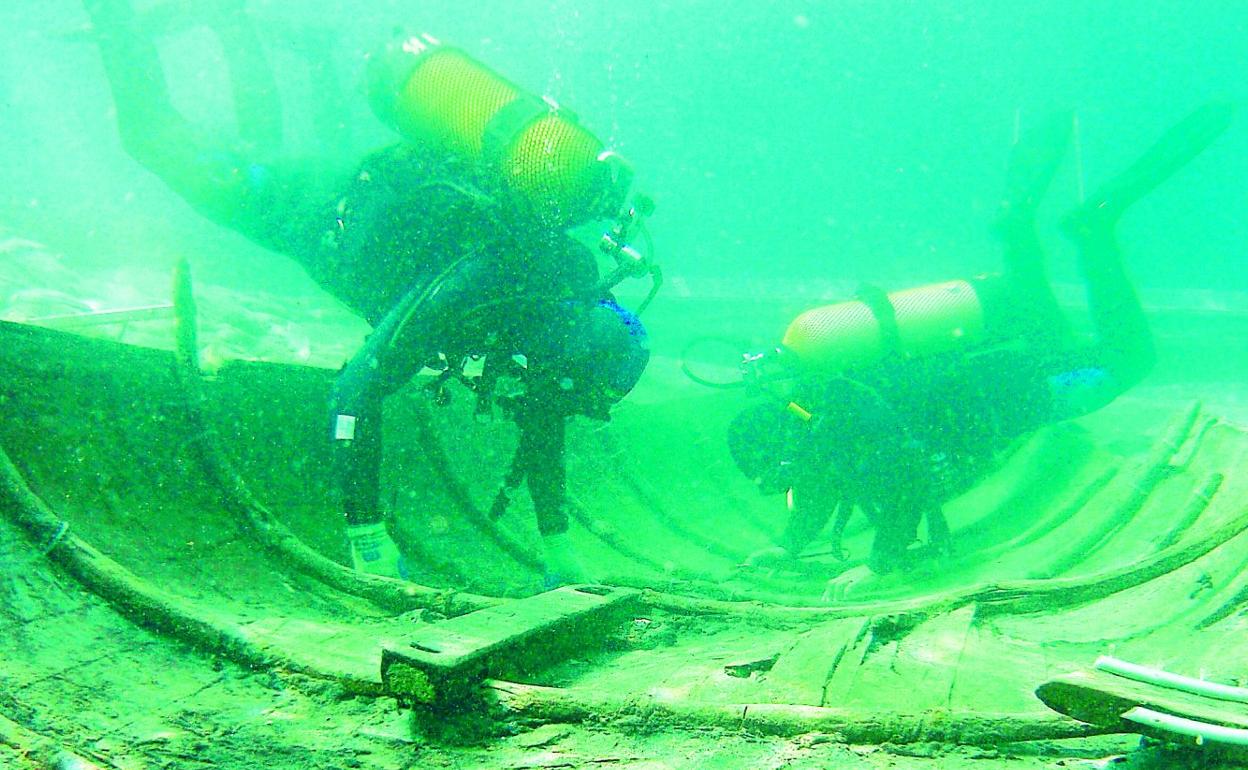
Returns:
<point x="130" y="595"/>
<point x="392" y="594"/>
<point x="455" y="489"/>
<point x="1151" y="471"/>
<point x="397" y="595"/>
<point x="1016" y="596"/>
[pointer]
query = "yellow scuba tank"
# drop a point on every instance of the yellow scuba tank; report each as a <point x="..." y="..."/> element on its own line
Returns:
<point x="439" y="96"/>
<point x="914" y="322"/>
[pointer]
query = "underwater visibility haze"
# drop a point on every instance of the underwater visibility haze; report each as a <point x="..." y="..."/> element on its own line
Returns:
<point x="819" y="384"/>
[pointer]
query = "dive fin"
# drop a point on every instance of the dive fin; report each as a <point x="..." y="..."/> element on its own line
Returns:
<point x="1174" y="150"/>
<point x="252" y="85"/>
<point x="254" y="90"/>
<point x="174" y="16"/>
<point x="1033" y="162"/>
<point x="161" y="20"/>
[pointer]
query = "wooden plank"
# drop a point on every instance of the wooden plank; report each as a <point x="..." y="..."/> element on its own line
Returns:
<point x="803" y="670"/>
<point x="843" y="679"/>
<point x="72" y="321"/>
<point x="348" y="652"/>
<point x="899" y="663"/>
<point x="510" y="640"/>
<point x="998" y="672"/>
<point x="706" y="661"/>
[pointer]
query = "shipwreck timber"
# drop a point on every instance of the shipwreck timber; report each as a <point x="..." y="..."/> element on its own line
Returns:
<point x="195" y="507"/>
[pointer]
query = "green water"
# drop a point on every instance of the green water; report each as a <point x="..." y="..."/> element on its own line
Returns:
<point x="787" y="140"/>
<point x="795" y="151"/>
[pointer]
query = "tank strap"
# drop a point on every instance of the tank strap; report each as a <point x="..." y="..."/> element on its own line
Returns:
<point x="876" y="300"/>
<point x="506" y="124"/>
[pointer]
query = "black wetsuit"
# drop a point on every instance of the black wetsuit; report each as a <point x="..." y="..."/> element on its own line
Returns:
<point x="416" y="247"/>
<point x="409" y="239"/>
<point x="901" y="437"/>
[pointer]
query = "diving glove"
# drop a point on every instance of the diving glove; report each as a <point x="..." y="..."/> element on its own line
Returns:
<point x="373" y="551"/>
<point x="848" y="585"/>
<point x="773" y="557"/>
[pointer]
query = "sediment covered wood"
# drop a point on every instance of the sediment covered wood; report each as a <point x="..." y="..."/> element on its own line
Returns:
<point x="1155" y="467"/>
<point x="1014" y="596"/>
<point x="397" y="595"/>
<point x="137" y="599"/>
<point x="978" y="729"/>
<point x="45" y="751"/>
<point x="435" y="455"/>
<point x="1020" y="595"/>
<point x="1196" y="505"/>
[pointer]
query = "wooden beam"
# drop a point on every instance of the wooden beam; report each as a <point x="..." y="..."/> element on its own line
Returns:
<point x="552" y="704"/>
<point x="443" y="660"/>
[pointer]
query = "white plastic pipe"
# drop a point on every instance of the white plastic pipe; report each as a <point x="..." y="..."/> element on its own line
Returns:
<point x="1202" y="732"/>
<point x="1138" y="673"/>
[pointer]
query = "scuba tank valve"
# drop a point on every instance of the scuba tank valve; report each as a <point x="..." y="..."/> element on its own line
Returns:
<point x="629" y="261"/>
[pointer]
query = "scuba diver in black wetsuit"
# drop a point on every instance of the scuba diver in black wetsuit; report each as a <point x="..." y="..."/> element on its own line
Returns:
<point x="452" y="244"/>
<point x="896" y="403"/>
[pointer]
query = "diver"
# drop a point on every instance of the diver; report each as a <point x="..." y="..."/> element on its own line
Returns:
<point x="893" y="404"/>
<point x="449" y="257"/>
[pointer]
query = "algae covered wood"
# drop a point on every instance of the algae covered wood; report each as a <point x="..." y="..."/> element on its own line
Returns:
<point x="802" y="672"/>
<point x="1002" y="669"/>
<point x="508" y="640"/>
<point x="982" y="728"/>
<point x="1101" y="698"/>
<point x="347" y="652"/>
<point x="907" y="654"/>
